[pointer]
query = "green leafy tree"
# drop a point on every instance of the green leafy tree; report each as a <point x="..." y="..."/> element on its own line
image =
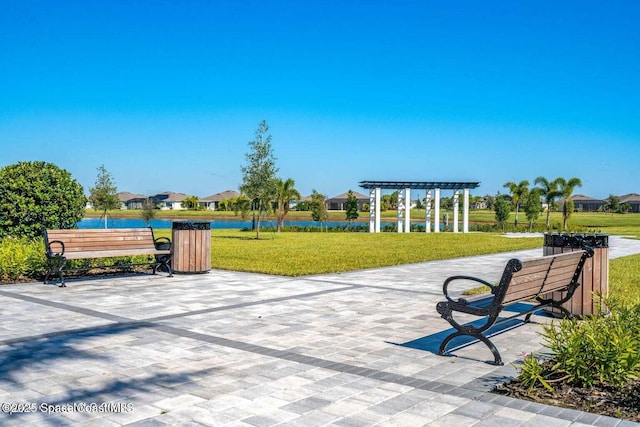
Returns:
<point x="103" y="196"/>
<point x="549" y="192"/>
<point x="37" y="195"/>
<point x="501" y="207"/>
<point x="518" y="192"/>
<point x="318" y="207"/>
<point x="351" y="207"/>
<point x="566" y="188"/>
<point x="613" y="204"/>
<point x="148" y="211"/>
<point x="625" y="208"/>
<point x="258" y="175"/>
<point x="532" y="207"/>
<point x="389" y="201"/>
<point x="226" y="204"/>
<point x="192" y="203"/>
<point x="285" y="194"/>
<point x="240" y="205"/>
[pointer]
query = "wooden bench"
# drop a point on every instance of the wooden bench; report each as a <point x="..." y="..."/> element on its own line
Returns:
<point x="64" y="245"/>
<point x="522" y="281"/>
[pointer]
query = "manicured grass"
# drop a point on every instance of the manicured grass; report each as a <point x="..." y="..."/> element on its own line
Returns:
<point x="297" y="254"/>
<point x="624" y="279"/>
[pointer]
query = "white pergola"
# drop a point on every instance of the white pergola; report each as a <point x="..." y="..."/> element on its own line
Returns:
<point x="404" y="203"/>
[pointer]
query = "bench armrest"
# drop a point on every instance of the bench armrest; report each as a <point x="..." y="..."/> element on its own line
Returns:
<point x="51" y="252"/>
<point x="162" y="243"/>
<point x="445" y="286"/>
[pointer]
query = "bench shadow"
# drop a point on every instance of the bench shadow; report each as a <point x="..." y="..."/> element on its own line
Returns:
<point x="431" y="343"/>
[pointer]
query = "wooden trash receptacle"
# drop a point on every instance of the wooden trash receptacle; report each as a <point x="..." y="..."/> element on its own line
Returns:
<point x="595" y="274"/>
<point x="191" y="246"/>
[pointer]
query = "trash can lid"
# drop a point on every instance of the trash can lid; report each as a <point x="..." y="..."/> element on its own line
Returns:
<point x="191" y="225"/>
<point x="574" y="240"/>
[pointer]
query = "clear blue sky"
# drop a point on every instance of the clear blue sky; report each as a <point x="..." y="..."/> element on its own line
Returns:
<point x="166" y="94"/>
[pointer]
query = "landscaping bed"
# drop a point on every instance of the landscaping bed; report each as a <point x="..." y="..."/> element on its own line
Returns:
<point x="600" y="399"/>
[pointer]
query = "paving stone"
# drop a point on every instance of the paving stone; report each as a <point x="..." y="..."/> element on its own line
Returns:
<point x="229" y="348"/>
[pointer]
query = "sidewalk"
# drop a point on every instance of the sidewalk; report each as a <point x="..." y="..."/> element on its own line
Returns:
<point x="239" y="349"/>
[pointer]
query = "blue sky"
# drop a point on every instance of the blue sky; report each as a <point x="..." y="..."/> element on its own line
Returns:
<point x="166" y="94"/>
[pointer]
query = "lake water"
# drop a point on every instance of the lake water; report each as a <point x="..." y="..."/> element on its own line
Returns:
<point x="216" y="223"/>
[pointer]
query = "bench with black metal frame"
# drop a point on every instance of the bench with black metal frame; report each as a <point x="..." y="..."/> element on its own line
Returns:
<point x="64" y="245"/>
<point x="532" y="280"/>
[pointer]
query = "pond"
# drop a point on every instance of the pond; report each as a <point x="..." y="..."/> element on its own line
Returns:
<point x="216" y="223"/>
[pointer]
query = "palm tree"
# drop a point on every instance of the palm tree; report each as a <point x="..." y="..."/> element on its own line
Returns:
<point x="566" y="189"/>
<point x="285" y="194"/>
<point x="549" y="191"/>
<point x="518" y="192"/>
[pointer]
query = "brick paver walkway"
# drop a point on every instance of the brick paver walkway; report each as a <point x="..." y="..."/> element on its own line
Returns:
<point x="238" y="349"/>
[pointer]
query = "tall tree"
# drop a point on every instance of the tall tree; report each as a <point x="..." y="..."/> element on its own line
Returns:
<point x="318" y="207"/>
<point x="501" y="209"/>
<point x="532" y="207"/>
<point x="285" y="194"/>
<point x="351" y="207"/>
<point x="613" y="204"/>
<point x="258" y="175"/>
<point x="549" y="192"/>
<point x="148" y="211"/>
<point x="518" y="192"/>
<point x="566" y="188"/>
<point x="103" y="196"/>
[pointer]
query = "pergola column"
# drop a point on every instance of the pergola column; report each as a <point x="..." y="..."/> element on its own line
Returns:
<point x="427" y="214"/>
<point x="455" y="210"/>
<point x="400" y="204"/>
<point x="465" y="210"/>
<point x="407" y="210"/>
<point x="436" y="207"/>
<point x="374" y="210"/>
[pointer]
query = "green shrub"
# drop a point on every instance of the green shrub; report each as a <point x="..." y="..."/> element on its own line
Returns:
<point x="21" y="258"/>
<point x="37" y="195"/>
<point x="604" y="348"/>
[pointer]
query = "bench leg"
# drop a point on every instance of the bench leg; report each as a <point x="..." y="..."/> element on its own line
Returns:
<point x="442" y="351"/>
<point x="165" y="262"/>
<point x="468" y="330"/>
<point x="54" y="267"/>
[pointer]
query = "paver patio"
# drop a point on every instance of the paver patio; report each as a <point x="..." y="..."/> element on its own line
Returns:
<point x="238" y="349"/>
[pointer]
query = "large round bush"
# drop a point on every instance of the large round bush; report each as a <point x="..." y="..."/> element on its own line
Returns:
<point x="37" y="195"/>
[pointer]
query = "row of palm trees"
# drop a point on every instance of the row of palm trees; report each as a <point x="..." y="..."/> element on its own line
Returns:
<point x="548" y="191"/>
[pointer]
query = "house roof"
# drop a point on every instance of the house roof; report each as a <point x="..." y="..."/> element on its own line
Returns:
<point x="125" y="196"/>
<point x="344" y="196"/>
<point x="583" y="198"/>
<point x="220" y="196"/>
<point x="633" y="197"/>
<point x="169" y="196"/>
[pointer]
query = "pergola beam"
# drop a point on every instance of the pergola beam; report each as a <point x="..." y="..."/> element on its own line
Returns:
<point x="404" y="202"/>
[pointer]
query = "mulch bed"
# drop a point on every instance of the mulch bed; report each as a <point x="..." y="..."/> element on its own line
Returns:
<point x="602" y="400"/>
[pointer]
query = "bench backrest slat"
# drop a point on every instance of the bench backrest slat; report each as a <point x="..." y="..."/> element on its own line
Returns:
<point x="109" y="239"/>
<point x="542" y="275"/>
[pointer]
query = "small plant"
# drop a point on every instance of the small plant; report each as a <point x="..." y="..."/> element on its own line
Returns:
<point x="532" y="372"/>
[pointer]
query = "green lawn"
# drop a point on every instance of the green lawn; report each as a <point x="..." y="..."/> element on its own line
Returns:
<point x="298" y="254"/>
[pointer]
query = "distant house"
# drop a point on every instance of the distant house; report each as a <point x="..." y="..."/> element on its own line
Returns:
<point x="212" y="202"/>
<point x="131" y="200"/>
<point x="633" y="200"/>
<point x="169" y="200"/>
<point x="338" y="202"/>
<point x="582" y="203"/>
